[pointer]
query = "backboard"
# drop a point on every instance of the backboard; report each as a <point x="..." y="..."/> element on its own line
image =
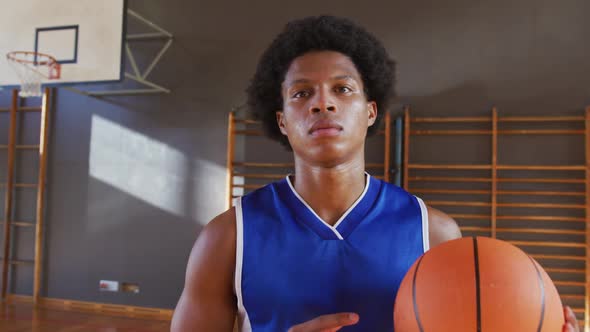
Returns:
<point x="85" y="36"/>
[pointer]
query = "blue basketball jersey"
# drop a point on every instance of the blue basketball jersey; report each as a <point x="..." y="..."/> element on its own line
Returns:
<point x="291" y="266"/>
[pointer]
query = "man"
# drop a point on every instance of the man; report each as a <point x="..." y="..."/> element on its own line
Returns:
<point x="328" y="246"/>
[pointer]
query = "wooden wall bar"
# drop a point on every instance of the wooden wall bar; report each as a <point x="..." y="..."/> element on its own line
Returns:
<point x="230" y="155"/>
<point x="43" y="155"/>
<point x="406" y="149"/>
<point x="40" y="186"/>
<point x="587" y="297"/>
<point x="494" y="174"/>
<point x="9" y="192"/>
<point x="551" y="253"/>
<point x="387" y="147"/>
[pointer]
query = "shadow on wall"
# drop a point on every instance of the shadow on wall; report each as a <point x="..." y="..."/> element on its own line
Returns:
<point x="128" y="194"/>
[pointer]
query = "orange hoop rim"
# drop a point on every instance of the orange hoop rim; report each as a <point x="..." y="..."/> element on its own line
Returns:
<point x="13" y="56"/>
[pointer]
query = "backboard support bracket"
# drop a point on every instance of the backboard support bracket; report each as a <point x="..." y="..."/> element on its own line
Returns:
<point x="136" y="74"/>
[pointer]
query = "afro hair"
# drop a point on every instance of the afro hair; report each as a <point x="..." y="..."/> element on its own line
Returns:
<point x="319" y="33"/>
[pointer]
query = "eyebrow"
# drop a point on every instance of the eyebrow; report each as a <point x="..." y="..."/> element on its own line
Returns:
<point x="343" y="77"/>
<point x="335" y="78"/>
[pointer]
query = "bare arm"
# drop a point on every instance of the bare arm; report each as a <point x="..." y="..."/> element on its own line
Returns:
<point x="207" y="302"/>
<point x="441" y="227"/>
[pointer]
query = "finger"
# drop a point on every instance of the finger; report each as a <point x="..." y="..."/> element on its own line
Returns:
<point x="329" y="323"/>
<point x="325" y="323"/>
<point x="571" y="319"/>
<point x="567" y="327"/>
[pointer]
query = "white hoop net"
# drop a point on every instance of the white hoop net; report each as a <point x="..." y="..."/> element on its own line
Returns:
<point x="31" y="68"/>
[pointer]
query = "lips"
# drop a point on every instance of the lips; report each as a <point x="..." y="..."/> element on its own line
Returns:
<point x="325" y="128"/>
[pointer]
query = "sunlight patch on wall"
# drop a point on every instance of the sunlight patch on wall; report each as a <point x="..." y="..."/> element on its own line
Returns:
<point x="146" y="169"/>
<point x="209" y="191"/>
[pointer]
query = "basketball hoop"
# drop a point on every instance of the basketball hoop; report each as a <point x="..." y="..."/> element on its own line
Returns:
<point x="31" y="68"/>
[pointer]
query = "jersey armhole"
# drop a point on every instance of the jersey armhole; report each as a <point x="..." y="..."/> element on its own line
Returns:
<point x="243" y="321"/>
<point x="425" y="231"/>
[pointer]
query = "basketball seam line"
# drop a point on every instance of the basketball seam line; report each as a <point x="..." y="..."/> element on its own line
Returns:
<point x="477" y="284"/>
<point x="416" y="314"/>
<point x="542" y="286"/>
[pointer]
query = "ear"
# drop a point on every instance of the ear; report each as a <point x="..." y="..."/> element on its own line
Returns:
<point x="281" y="122"/>
<point x="372" y="112"/>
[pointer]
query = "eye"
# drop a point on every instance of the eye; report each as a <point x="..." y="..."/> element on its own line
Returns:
<point x="343" y="89"/>
<point x="301" y="94"/>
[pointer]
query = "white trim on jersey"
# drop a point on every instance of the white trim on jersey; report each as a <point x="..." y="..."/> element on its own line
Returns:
<point x="243" y="320"/>
<point x="367" y="181"/>
<point x="425" y="231"/>
<point x="333" y="228"/>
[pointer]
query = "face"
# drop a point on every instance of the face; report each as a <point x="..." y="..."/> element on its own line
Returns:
<point x="325" y="111"/>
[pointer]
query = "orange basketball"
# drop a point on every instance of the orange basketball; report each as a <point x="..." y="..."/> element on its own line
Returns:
<point x="477" y="285"/>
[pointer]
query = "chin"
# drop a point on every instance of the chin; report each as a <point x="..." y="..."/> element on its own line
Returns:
<point x="329" y="154"/>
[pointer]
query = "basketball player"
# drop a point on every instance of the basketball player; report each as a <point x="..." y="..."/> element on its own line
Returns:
<point x="327" y="247"/>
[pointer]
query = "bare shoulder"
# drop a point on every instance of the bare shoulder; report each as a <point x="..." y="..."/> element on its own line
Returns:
<point x="221" y="231"/>
<point x="216" y="241"/>
<point x="207" y="302"/>
<point x="215" y="248"/>
<point x="441" y="227"/>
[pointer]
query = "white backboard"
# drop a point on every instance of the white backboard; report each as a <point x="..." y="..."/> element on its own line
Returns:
<point x="85" y="36"/>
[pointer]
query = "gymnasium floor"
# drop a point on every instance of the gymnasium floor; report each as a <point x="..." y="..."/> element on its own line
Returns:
<point x="22" y="317"/>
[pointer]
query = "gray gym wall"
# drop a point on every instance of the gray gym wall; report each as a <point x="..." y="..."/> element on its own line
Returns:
<point x="132" y="180"/>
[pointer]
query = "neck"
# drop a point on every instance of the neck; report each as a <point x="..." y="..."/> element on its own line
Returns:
<point x="330" y="191"/>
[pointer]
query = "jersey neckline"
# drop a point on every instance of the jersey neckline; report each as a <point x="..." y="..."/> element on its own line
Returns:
<point x="351" y="218"/>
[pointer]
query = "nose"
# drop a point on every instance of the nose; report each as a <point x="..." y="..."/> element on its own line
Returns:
<point x="322" y="101"/>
